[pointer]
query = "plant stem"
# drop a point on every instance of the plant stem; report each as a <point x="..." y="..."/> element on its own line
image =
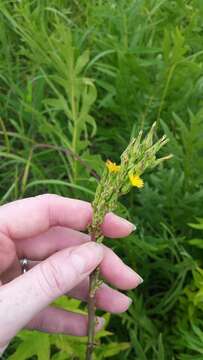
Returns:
<point x="93" y="286"/>
<point x="91" y="315"/>
<point x="116" y="181"/>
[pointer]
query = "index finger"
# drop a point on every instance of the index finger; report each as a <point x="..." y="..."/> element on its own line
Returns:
<point x="33" y="216"/>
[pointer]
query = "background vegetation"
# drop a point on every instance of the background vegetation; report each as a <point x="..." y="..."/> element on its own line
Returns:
<point x="79" y="78"/>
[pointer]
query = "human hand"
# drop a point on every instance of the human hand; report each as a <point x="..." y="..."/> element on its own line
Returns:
<point x="47" y="230"/>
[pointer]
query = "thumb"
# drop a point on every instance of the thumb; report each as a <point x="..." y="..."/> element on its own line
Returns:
<point x="22" y="298"/>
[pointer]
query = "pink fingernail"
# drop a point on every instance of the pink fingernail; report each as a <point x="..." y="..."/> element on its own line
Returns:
<point x="137" y="278"/>
<point x="140" y="279"/>
<point x="130" y="302"/>
<point x="128" y="223"/>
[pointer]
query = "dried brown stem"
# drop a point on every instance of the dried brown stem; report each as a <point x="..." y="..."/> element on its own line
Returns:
<point x="68" y="152"/>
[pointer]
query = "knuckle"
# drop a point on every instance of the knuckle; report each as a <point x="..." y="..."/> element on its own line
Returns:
<point x="52" y="282"/>
<point x="44" y="196"/>
<point x="36" y="324"/>
<point x="50" y="202"/>
<point x="7" y="252"/>
<point x="10" y="249"/>
<point x="7" y="245"/>
<point x="48" y="197"/>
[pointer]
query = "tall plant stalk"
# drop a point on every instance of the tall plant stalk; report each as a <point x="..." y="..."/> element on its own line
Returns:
<point x="116" y="181"/>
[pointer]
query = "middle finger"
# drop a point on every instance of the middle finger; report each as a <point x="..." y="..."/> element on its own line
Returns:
<point x="107" y="299"/>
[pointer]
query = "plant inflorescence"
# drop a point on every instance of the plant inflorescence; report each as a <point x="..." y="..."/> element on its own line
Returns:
<point x="116" y="181"/>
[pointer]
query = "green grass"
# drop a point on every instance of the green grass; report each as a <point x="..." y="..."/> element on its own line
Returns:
<point x="84" y="76"/>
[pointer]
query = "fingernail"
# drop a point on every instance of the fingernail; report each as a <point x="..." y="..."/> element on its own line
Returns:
<point x="100" y="322"/>
<point x="129" y="302"/>
<point x="133" y="226"/>
<point x="137" y="279"/>
<point x="140" y="279"/>
<point x="86" y="257"/>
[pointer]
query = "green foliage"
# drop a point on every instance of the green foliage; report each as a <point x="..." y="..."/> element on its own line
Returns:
<point x="79" y="79"/>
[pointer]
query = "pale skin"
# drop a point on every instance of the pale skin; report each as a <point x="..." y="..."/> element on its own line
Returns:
<point x="49" y="230"/>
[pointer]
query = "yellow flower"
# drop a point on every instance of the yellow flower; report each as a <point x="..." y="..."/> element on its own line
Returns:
<point x="112" y="167"/>
<point x="136" y="181"/>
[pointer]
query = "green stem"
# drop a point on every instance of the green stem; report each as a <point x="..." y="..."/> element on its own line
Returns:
<point x="168" y="80"/>
<point x="93" y="286"/>
<point x="74" y="118"/>
<point x="91" y="315"/>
